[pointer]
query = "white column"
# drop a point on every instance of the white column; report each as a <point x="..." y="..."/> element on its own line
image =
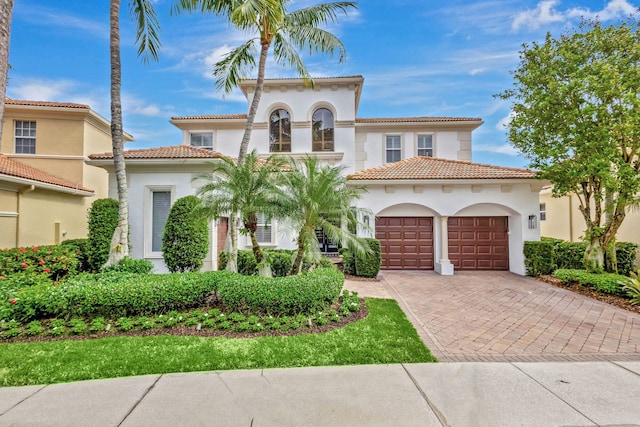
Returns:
<point x="444" y="266"/>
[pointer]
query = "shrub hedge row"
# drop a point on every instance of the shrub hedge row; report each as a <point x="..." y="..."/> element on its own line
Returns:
<point x="54" y="262"/>
<point x="281" y="261"/>
<point x="547" y="255"/>
<point x="308" y="293"/>
<point x="115" y="294"/>
<point x="608" y="283"/>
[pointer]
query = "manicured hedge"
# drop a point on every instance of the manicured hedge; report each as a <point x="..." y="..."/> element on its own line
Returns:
<point x="348" y="261"/>
<point x="308" y="293"/>
<point x="608" y="283"/>
<point x="545" y="256"/>
<point x="185" y="241"/>
<point x="111" y="295"/>
<point x="103" y="220"/>
<point x="369" y="265"/>
<point x="280" y="259"/>
<point x="55" y="262"/>
<point x="130" y="265"/>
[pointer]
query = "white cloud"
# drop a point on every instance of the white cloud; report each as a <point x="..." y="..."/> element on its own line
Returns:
<point x="44" y="16"/>
<point x="501" y="149"/>
<point x="613" y="10"/>
<point x="544" y="14"/>
<point x="476" y="71"/>
<point x="134" y="106"/>
<point x="503" y="123"/>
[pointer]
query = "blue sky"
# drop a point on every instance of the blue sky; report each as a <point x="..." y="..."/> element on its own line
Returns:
<point x="418" y="58"/>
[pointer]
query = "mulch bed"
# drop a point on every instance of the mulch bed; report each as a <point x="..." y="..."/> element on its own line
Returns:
<point x="191" y="331"/>
<point x="614" y="300"/>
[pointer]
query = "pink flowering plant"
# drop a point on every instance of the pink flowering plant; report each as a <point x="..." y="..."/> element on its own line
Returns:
<point x="54" y="262"/>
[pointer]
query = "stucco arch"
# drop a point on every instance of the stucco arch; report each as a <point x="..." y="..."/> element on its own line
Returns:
<point x="486" y="209"/>
<point x="277" y="106"/>
<point x="408" y="209"/>
<point x="322" y="104"/>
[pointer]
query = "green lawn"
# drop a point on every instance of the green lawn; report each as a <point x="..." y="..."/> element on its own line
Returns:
<point x="385" y="336"/>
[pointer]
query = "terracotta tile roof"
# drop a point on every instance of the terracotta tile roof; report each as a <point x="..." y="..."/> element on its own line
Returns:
<point x="416" y="119"/>
<point x="16" y="169"/>
<point x="173" y="152"/>
<point x="211" y="117"/>
<point x="10" y="101"/>
<point x="433" y="168"/>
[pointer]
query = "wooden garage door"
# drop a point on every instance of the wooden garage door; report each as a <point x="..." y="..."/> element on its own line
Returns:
<point x="479" y="243"/>
<point x="406" y="242"/>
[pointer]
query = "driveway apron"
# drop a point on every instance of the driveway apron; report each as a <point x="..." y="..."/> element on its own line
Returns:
<point x="500" y="316"/>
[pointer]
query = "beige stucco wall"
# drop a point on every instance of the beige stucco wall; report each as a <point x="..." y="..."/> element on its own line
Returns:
<point x="8" y="218"/>
<point x="564" y="220"/>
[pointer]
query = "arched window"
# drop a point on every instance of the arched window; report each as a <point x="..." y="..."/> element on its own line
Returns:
<point x="280" y="132"/>
<point x="322" y="130"/>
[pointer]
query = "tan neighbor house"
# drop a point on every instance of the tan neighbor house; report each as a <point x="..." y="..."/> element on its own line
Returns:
<point x="561" y="218"/>
<point x="46" y="187"/>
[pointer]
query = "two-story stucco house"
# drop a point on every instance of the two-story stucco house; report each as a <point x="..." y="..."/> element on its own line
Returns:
<point x="46" y="187"/>
<point x="432" y="207"/>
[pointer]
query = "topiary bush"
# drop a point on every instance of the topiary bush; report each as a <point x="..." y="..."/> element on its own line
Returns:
<point x="247" y="265"/>
<point x="185" y="242"/>
<point x="348" y="261"/>
<point x="130" y="265"/>
<point x="368" y="265"/>
<point x="103" y="220"/>
<point x="607" y="283"/>
<point x="292" y="295"/>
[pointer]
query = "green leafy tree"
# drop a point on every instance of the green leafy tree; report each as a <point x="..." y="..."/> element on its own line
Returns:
<point x="144" y="16"/>
<point x="576" y="117"/>
<point x="248" y="188"/>
<point x="185" y="241"/>
<point x="272" y="24"/>
<point x="316" y="196"/>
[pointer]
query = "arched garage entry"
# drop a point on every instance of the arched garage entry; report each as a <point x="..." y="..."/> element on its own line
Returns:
<point x="406" y="238"/>
<point x="478" y="237"/>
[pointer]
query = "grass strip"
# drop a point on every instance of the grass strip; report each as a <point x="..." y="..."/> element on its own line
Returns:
<point x="385" y="336"/>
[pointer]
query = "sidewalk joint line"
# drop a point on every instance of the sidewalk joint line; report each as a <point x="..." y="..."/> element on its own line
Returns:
<point x="147" y="391"/>
<point x="556" y="395"/>
<point x="28" y="397"/>
<point x="613" y="362"/>
<point x="434" y="408"/>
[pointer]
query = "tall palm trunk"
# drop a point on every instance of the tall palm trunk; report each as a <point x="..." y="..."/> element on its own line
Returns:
<point x="6" y="12"/>
<point x="120" y="241"/>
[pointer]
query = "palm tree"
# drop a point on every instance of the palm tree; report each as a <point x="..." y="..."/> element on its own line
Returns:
<point x="148" y="44"/>
<point x="316" y="197"/>
<point x="273" y="25"/>
<point x="6" y="12"/>
<point x="248" y="188"/>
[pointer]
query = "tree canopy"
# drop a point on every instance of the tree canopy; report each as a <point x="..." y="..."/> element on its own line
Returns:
<point x="576" y="117"/>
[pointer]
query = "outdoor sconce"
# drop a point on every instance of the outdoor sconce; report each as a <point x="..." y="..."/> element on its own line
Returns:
<point x="366" y="220"/>
<point x="533" y="222"/>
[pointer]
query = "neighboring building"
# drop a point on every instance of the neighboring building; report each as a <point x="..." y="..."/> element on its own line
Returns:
<point x="46" y="187"/>
<point x="560" y="217"/>
<point x="434" y="209"/>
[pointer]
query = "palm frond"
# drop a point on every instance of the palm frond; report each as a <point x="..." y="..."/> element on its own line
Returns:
<point x="144" y="16"/>
<point x="320" y="14"/>
<point x="286" y="54"/>
<point x="234" y="66"/>
<point x="315" y="40"/>
<point x="220" y="7"/>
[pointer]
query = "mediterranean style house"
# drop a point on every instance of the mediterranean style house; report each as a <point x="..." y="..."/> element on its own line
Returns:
<point x="432" y="208"/>
<point x="45" y="185"/>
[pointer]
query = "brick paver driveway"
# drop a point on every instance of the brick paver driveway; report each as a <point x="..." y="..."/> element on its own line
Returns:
<point x="500" y="316"/>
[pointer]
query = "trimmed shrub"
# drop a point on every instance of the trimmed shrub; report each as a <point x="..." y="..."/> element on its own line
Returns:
<point x="247" y="265"/>
<point x="281" y="261"/>
<point x="369" y="265"/>
<point x="569" y="255"/>
<point x="54" y="262"/>
<point x="185" y="242"/>
<point x="130" y="265"/>
<point x="539" y="258"/>
<point x="348" y="261"/>
<point x="114" y="295"/>
<point x="81" y="248"/>
<point x="626" y="253"/>
<point x="607" y="283"/>
<point x="103" y="220"/>
<point x="305" y="294"/>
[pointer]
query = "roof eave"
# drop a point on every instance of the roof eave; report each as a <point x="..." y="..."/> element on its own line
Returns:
<point x="46" y="186"/>
<point x="167" y="161"/>
<point x="442" y="181"/>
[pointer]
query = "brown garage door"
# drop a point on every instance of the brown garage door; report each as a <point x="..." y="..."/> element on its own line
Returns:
<point x="406" y="242"/>
<point x="479" y="243"/>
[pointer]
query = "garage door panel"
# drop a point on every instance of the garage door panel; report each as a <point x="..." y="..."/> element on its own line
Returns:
<point x="406" y="242"/>
<point x="479" y="243"/>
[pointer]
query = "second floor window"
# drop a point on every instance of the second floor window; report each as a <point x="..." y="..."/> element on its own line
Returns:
<point x="25" y="134"/>
<point x="394" y="148"/>
<point x="543" y="211"/>
<point x="280" y="132"/>
<point x="322" y="130"/>
<point x="201" y="140"/>
<point x="425" y="145"/>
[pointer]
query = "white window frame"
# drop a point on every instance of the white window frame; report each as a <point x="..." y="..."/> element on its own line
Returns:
<point x="272" y="234"/>
<point x="418" y="148"/>
<point x="148" y="217"/>
<point x="387" y="149"/>
<point x="201" y="132"/>
<point x="543" y="211"/>
<point x="19" y="133"/>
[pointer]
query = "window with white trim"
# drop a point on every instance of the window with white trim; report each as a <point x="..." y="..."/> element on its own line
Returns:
<point x="264" y="231"/>
<point x="25" y="137"/>
<point x="160" y="207"/>
<point x="322" y="130"/>
<point x="393" y="148"/>
<point x="425" y="145"/>
<point x="201" y="140"/>
<point x="543" y="211"/>
<point x="280" y="131"/>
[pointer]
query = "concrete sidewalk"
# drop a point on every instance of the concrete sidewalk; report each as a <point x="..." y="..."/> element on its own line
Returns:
<point x="447" y="394"/>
